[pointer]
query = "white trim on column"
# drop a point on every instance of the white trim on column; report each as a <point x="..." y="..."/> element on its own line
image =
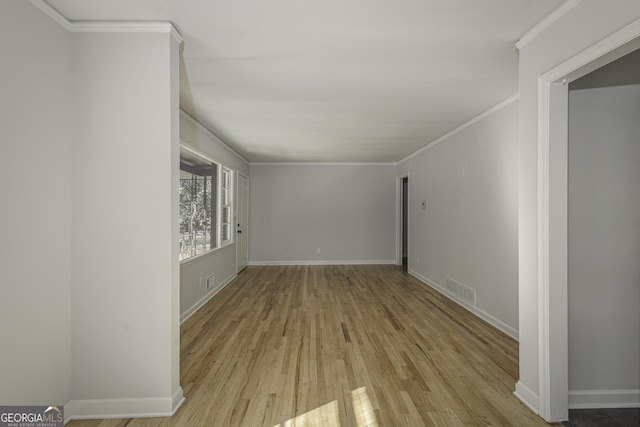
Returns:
<point x="570" y="70"/>
<point x="108" y="26"/>
<point x="543" y="248"/>
<point x="123" y="408"/>
<point x="527" y="396"/>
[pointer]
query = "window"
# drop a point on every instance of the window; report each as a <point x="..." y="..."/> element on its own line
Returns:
<point x="226" y="205"/>
<point x="198" y="179"/>
<point x="205" y="204"/>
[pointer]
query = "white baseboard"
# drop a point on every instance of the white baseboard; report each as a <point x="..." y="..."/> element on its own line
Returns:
<point x="592" y="399"/>
<point x="205" y="299"/>
<point x="528" y="397"/>
<point x="335" y="262"/>
<point x="88" y="409"/>
<point x="497" y="323"/>
<point x="177" y="400"/>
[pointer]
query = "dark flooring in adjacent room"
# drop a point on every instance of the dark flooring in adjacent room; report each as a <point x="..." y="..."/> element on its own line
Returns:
<point x="604" y="418"/>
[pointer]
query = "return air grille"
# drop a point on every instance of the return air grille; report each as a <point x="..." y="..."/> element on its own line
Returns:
<point x="461" y="291"/>
<point x="211" y="280"/>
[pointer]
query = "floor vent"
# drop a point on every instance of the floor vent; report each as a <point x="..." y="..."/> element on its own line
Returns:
<point x="211" y="281"/>
<point x="461" y="291"/>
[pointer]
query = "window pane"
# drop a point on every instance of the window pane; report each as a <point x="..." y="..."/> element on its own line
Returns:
<point x="197" y="205"/>
<point x="225" y="215"/>
<point x="226" y="205"/>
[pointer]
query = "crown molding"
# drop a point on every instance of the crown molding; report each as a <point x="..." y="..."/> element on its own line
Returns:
<point x="322" y="163"/>
<point x="546" y="23"/>
<point x="52" y="13"/>
<point x="126" y="27"/>
<point x="572" y="68"/>
<point x="108" y="26"/>
<point x="465" y="125"/>
<point x="203" y="128"/>
<point x="487" y="112"/>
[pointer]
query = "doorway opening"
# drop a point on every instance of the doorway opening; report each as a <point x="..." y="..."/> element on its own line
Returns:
<point x="553" y="163"/>
<point x="402" y="225"/>
<point x="405" y="222"/>
<point x="604" y="242"/>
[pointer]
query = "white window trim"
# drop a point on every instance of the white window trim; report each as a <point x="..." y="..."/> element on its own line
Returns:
<point x="230" y="205"/>
<point x="220" y="244"/>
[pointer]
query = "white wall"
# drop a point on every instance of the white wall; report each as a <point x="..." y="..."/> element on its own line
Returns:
<point x="348" y="211"/>
<point x="220" y="262"/>
<point x="89" y="166"/>
<point x="604" y="239"/>
<point x="125" y="226"/>
<point x="35" y="213"/>
<point x="198" y="137"/>
<point x="468" y="232"/>
<point x="587" y="23"/>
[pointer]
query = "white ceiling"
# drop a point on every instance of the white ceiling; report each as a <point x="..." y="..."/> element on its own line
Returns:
<point x="336" y="80"/>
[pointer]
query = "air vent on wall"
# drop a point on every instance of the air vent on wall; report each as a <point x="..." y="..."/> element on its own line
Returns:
<point x="461" y="291"/>
<point x="211" y="281"/>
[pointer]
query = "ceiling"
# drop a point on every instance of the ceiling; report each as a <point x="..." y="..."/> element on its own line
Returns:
<point x="335" y="80"/>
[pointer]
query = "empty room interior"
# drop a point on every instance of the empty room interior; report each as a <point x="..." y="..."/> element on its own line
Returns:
<point x="321" y="213"/>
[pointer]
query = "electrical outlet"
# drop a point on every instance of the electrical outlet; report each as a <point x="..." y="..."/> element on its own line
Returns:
<point x="200" y="283"/>
<point x="211" y="281"/>
<point x="418" y="260"/>
<point x="317" y="250"/>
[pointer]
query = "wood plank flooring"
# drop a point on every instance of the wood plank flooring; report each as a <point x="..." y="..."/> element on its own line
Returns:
<point x="340" y="345"/>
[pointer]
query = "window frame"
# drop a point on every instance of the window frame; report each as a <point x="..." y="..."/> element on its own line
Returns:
<point x="220" y="174"/>
<point x="226" y="203"/>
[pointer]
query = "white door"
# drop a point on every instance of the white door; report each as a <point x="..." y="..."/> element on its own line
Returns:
<point x="242" y="235"/>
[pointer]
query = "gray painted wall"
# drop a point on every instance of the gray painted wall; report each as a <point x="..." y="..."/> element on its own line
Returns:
<point x="222" y="261"/>
<point x="90" y="314"/>
<point x="348" y="211"/>
<point x="468" y="232"/>
<point x="604" y="238"/>
<point x="125" y="271"/>
<point x="35" y="188"/>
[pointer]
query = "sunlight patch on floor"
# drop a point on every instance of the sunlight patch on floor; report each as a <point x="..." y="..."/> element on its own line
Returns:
<point x="328" y="415"/>
<point x="363" y="408"/>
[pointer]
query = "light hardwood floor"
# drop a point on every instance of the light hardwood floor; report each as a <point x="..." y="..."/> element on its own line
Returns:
<point x="340" y="345"/>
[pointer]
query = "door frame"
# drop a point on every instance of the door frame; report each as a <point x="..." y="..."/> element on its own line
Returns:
<point x="553" y="110"/>
<point x="399" y="217"/>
